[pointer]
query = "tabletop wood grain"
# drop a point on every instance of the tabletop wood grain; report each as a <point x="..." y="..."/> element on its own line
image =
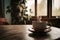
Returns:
<point x="21" y="32"/>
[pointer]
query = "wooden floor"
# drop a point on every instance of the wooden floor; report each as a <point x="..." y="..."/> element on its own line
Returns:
<point x="21" y="32"/>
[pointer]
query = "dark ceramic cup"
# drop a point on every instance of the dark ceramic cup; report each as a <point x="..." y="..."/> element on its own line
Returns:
<point x="40" y="26"/>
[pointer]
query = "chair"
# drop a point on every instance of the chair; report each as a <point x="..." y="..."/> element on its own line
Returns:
<point x="3" y="21"/>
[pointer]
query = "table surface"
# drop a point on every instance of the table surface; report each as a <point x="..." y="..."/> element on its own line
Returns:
<point x="21" y="32"/>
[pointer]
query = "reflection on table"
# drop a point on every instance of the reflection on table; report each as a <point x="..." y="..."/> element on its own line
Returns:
<point x="21" y="32"/>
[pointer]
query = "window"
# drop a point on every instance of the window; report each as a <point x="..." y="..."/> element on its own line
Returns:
<point x="41" y="7"/>
<point x="55" y="7"/>
<point x="30" y="7"/>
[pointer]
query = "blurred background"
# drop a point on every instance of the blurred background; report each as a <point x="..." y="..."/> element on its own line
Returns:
<point x="16" y="12"/>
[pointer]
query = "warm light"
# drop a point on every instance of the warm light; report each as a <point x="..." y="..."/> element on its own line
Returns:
<point x="39" y="1"/>
<point x="30" y="5"/>
<point x="56" y="8"/>
<point x="41" y="7"/>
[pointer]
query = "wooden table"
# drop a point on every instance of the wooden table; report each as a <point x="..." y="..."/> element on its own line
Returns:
<point x="21" y="32"/>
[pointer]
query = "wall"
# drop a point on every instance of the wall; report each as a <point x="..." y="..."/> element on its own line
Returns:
<point x="7" y="15"/>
